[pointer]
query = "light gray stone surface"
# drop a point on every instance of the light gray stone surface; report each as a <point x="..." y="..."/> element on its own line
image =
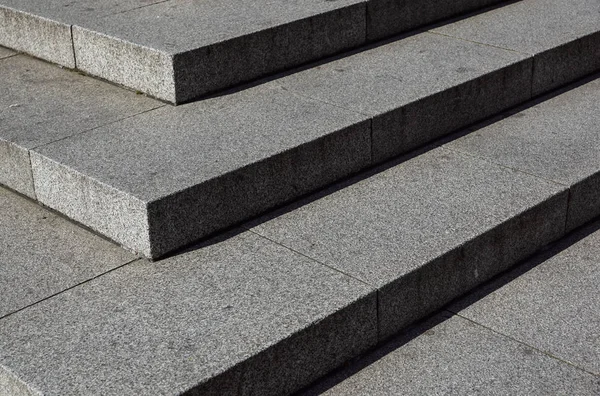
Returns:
<point x="558" y="139"/>
<point x="5" y="53"/>
<point x="41" y="103"/>
<point x="178" y="50"/>
<point x="44" y="38"/>
<point x="221" y="318"/>
<point x="458" y="357"/>
<point x="199" y="167"/>
<point x="551" y="303"/>
<point x="419" y="88"/>
<point x="73" y="12"/>
<point x="42" y="254"/>
<point x="388" y="17"/>
<point x="425" y="231"/>
<point x="564" y="36"/>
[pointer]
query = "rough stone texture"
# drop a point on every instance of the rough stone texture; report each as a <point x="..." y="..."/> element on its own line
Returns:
<point x="222" y="317"/>
<point x="419" y="88"/>
<point x="42" y="254"/>
<point x="15" y="168"/>
<point x="564" y="37"/>
<point x="558" y="139"/>
<point x="179" y="50"/>
<point x="425" y="231"/>
<point x="5" y="53"/>
<point x="453" y="356"/>
<point x="40" y="103"/>
<point x="131" y="65"/>
<point x="551" y="303"/>
<point x="76" y="11"/>
<point x="199" y="167"/>
<point x="388" y="17"/>
<point x="37" y="36"/>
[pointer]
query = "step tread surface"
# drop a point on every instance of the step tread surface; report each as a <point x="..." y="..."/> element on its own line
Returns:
<point x="170" y="326"/>
<point x="554" y="306"/>
<point x="42" y="254"/>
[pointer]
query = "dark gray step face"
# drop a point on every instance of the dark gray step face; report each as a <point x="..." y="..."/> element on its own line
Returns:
<point x="299" y="292"/>
<point x="530" y="331"/>
<point x="157" y="178"/>
<point x="177" y="50"/>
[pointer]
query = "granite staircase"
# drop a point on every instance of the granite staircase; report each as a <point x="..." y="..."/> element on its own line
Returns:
<point x="253" y="240"/>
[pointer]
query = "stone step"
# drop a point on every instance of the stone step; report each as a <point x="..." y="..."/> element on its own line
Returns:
<point x="155" y="178"/>
<point x="274" y="304"/>
<point x="178" y="50"/>
<point x="531" y="331"/>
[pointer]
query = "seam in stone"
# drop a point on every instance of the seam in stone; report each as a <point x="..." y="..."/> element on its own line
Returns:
<point x="35" y="197"/>
<point x="567" y="210"/>
<point x="308" y="97"/>
<point x="10" y="56"/>
<point x="480" y="43"/>
<point x="546" y="353"/>
<point x="490" y="161"/>
<point x="69" y="288"/>
<point x="533" y="58"/>
<point x="135" y="8"/>
<point x="97" y="127"/>
<point x="73" y="47"/>
<point x="310" y="258"/>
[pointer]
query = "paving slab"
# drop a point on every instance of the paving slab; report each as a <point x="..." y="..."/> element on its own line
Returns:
<point x="42" y="254"/>
<point x="43" y="28"/>
<point x="41" y="103"/>
<point x="163" y="179"/>
<point x="453" y="356"/>
<point x="564" y="37"/>
<point x="425" y="231"/>
<point x="219" y="319"/>
<point x="558" y="139"/>
<point x="5" y="53"/>
<point x="389" y="17"/>
<point x="551" y="303"/>
<point x="41" y="37"/>
<point x="180" y="49"/>
<point x="419" y="88"/>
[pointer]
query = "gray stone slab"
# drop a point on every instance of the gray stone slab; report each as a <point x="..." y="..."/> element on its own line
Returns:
<point x="425" y="231"/>
<point x="5" y="53"/>
<point x="37" y="36"/>
<point x="41" y="103"/>
<point x="551" y="303"/>
<point x="563" y="36"/>
<point x="42" y="254"/>
<point x="219" y="319"/>
<point x="74" y="12"/>
<point x="558" y="139"/>
<point x="184" y="172"/>
<point x="419" y="88"/>
<point x="458" y="357"/>
<point x="178" y="50"/>
<point x="388" y="17"/>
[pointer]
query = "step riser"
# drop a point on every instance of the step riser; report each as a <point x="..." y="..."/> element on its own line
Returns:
<point x="181" y="77"/>
<point x="438" y="282"/>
